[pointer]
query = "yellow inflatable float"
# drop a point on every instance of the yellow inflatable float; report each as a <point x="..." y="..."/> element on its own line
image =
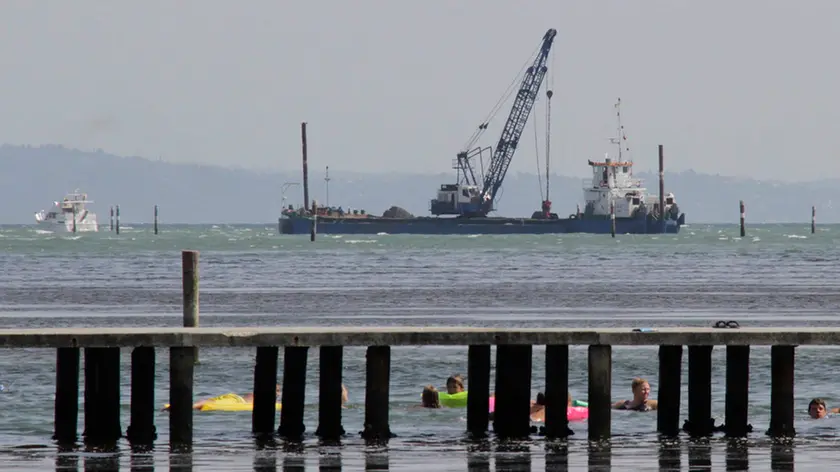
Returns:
<point x="228" y="402"/>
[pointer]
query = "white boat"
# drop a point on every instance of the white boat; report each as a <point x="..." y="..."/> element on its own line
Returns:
<point x="69" y="215"/>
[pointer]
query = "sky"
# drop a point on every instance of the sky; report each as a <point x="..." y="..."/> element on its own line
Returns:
<point x="744" y="88"/>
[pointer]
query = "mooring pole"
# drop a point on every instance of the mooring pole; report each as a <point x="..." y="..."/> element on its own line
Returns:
<point x="662" y="188"/>
<point x="813" y="219"/>
<point x="156" y="219"/>
<point x="118" y="219"/>
<point x="189" y="268"/>
<point x="112" y="218"/>
<point x="305" y="164"/>
<point x="743" y="217"/>
<point x="612" y="219"/>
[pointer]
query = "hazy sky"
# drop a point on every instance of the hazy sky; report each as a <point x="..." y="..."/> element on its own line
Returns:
<point x="729" y="87"/>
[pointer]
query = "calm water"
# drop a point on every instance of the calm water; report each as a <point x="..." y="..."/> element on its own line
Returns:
<point x="778" y="276"/>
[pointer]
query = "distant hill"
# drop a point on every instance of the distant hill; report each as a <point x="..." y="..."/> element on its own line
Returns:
<point x="34" y="176"/>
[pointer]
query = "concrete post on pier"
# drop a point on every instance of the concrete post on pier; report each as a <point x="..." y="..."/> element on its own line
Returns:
<point x="112" y="218"/>
<point x="781" y="391"/>
<point x="743" y="217"/>
<point x="265" y="391"/>
<point x="511" y="417"/>
<point x="600" y="392"/>
<point x="118" y="220"/>
<point x="294" y="392"/>
<point x="189" y="269"/>
<point x="478" y="400"/>
<point x="156" y="219"/>
<point x="813" y="219"/>
<point x="66" y="395"/>
<point x="102" y="396"/>
<point x="377" y="393"/>
<point x="700" y="422"/>
<point x="556" y="391"/>
<point x="612" y="219"/>
<point x="737" y="391"/>
<point x="670" y="384"/>
<point x="329" y="396"/>
<point x="141" y="430"/>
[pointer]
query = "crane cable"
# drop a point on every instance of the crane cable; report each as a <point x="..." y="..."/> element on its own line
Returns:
<point x="504" y="98"/>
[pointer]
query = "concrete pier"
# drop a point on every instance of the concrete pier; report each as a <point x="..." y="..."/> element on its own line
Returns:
<point x="101" y="348"/>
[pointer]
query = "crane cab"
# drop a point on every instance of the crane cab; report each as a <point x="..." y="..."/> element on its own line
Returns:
<point x="456" y="199"/>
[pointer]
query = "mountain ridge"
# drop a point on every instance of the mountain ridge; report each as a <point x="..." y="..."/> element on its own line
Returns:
<point x="197" y="193"/>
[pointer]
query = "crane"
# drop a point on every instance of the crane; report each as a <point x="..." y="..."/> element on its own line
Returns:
<point x="465" y="198"/>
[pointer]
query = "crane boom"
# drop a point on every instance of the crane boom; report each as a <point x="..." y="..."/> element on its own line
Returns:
<point x="519" y="113"/>
<point x="467" y="199"/>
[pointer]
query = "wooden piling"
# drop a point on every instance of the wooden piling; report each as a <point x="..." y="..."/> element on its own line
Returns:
<point x="118" y="220"/>
<point x="661" y="188"/>
<point x="600" y="392"/>
<point x="305" y="164"/>
<point x="612" y="219"/>
<point x="74" y="218"/>
<point x="556" y="391"/>
<point x="478" y="400"/>
<point x="102" y="396"/>
<point x="737" y="391"/>
<point x="781" y="391"/>
<point x="377" y="393"/>
<point x="670" y="384"/>
<point x="313" y="230"/>
<point x="700" y="421"/>
<point x="265" y="391"/>
<point x="181" y="367"/>
<point x="813" y="219"/>
<point x="743" y="217"/>
<point x="189" y="279"/>
<point x="112" y="218"/>
<point x="156" y="219"/>
<point x="66" y="395"/>
<point x="141" y="430"/>
<point x="294" y="392"/>
<point x="511" y="417"/>
<point x="331" y="365"/>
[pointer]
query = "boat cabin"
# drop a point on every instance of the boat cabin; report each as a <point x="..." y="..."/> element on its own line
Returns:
<point x="613" y="184"/>
<point x="456" y="199"/>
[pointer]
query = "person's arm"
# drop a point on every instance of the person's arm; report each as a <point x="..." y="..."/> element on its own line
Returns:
<point x="618" y="405"/>
<point x="835" y="410"/>
<point x="653" y="404"/>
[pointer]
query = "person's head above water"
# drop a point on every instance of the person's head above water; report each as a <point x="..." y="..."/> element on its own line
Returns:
<point x="817" y="409"/>
<point x="454" y="384"/>
<point x="429" y="398"/>
<point x="641" y="389"/>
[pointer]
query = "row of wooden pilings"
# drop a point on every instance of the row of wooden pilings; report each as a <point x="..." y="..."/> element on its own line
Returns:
<point x="115" y="219"/>
<point x="512" y="391"/>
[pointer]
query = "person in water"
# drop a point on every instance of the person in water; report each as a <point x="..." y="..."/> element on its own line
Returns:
<point x="538" y="406"/>
<point x="641" y="397"/>
<point x="454" y="384"/>
<point x="430" y="398"/>
<point x="817" y="409"/>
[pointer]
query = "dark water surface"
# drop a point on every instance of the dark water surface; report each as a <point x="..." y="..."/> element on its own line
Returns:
<point x="779" y="275"/>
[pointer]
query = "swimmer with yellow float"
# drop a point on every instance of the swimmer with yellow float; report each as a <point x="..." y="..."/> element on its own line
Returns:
<point x="235" y="402"/>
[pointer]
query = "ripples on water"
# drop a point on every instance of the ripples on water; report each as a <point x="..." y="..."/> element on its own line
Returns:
<point x="778" y="275"/>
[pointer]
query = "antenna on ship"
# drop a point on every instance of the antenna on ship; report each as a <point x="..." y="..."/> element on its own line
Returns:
<point x="621" y="139"/>
<point x="327" y="181"/>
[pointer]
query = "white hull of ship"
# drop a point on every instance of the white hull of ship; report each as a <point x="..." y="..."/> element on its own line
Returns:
<point x="84" y="223"/>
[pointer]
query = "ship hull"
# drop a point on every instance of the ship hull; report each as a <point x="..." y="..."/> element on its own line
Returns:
<point x="441" y="226"/>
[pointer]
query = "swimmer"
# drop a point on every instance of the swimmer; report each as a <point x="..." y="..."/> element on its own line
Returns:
<point x="538" y="406"/>
<point x="430" y="398"/>
<point x="454" y="384"/>
<point x="817" y="409"/>
<point x="641" y="400"/>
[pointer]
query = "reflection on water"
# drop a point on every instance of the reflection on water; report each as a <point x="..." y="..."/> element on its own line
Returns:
<point x="716" y="453"/>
